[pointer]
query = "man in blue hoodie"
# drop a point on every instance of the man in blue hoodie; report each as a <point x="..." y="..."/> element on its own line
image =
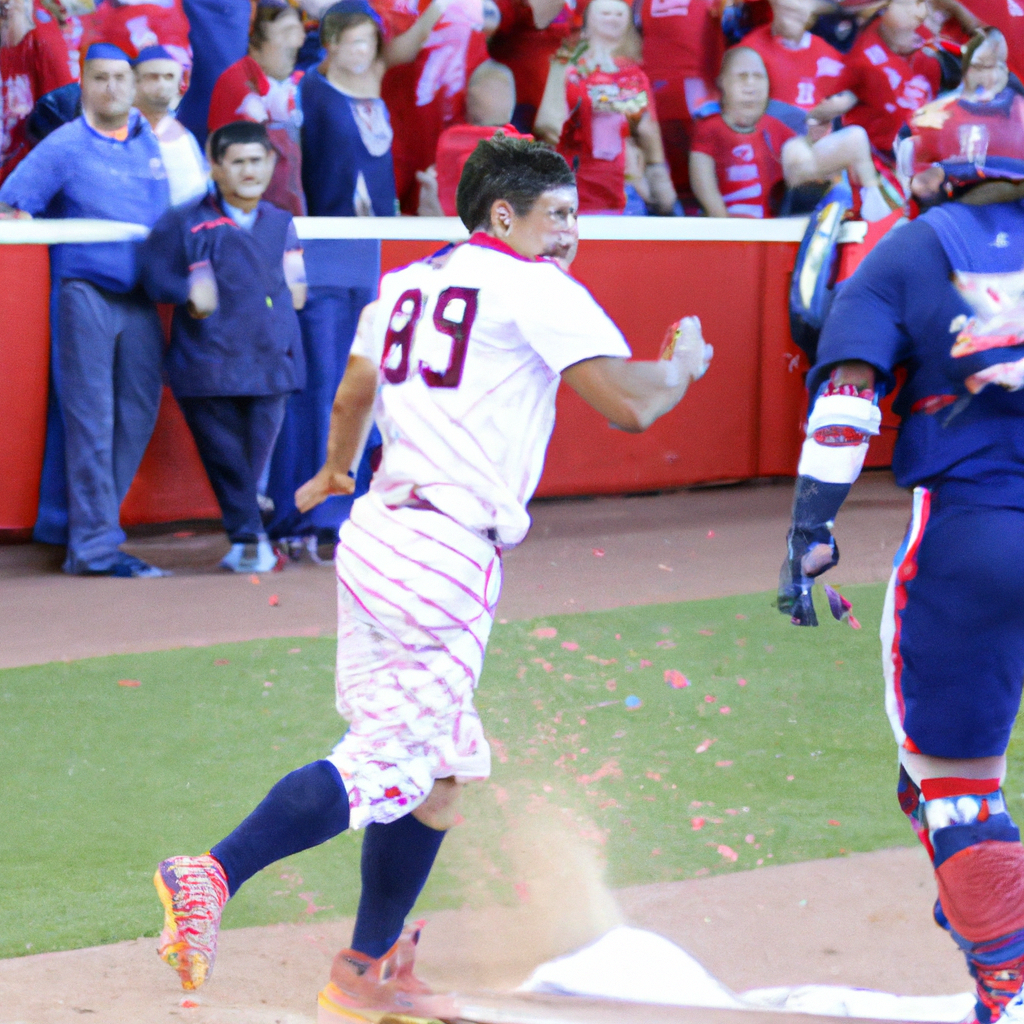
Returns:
<point x="105" y="164"/>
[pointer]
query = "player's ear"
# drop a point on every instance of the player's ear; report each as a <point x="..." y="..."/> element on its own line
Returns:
<point x="502" y="216"/>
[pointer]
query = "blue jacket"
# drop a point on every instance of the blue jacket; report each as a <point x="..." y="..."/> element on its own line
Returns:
<point x="252" y="344"/>
<point x="77" y="172"/>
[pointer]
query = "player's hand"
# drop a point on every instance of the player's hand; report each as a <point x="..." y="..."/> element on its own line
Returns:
<point x="326" y="484"/>
<point x="202" y="292"/>
<point x="810" y="552"/>
<point x="663" y="192"/>
<point x="12" y="213"/>
<point x="429" y="202"/>
<point x="571" y="50"/>
<point x="685" y="346"/>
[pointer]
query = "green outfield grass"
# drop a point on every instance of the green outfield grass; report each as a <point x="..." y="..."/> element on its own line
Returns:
<point x="99" y="781"/>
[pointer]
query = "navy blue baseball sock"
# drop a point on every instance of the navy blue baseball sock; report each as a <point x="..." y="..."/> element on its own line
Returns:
<point x="397" y="858"/>
<point x="306" y="808"/>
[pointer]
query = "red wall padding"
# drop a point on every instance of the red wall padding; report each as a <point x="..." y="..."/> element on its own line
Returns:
<point x="742" y="420"/>
<point x="24" y="380"/>
<point x="171" y="483"/>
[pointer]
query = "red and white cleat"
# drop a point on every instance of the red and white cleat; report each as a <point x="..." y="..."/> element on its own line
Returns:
<point x="193" y="891"/>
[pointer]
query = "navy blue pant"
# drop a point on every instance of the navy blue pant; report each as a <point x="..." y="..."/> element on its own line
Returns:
<point x="108" y="379"/>
<point x="328" y="324"/>
<point x="235" y="435"/>
<point x="953" y="630"/>
<point x="52" y="520"/>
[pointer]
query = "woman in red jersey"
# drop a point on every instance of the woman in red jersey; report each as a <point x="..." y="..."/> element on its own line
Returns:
<point x="593" y="102"/>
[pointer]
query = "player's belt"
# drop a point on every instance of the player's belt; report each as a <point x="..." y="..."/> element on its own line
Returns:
<point x="422" y="505"/>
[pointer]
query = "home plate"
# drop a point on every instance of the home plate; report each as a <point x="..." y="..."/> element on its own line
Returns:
<point x="631" y="975"/>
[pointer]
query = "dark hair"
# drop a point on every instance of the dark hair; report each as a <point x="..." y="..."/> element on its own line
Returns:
<point x="263" y="15"/>
<point x="335" y="24"/>
<point x="517" y="170"/>
<point x="238" y="133"/>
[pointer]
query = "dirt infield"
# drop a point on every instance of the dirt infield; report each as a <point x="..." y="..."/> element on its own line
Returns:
<point x="858" y="920"/>
<point x="669" y="547"/>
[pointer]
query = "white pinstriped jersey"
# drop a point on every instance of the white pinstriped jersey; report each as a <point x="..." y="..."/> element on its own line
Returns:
<point x="470" y="353"/>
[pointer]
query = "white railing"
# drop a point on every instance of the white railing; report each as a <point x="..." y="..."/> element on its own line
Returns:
<point x="431" y="229"/>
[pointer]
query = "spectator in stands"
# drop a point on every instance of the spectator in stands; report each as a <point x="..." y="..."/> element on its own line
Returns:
<point x="71" y="16"/>
<point x="429" y="56"/>
<point x="346" y="138"/>
<point x="987" y="104"/>
<point x="744" y="157"/>
<point x="593" y="101"/>
<point x="107" y="165"/>
<point x="347" y="171"/>
<point x="802" y="68"/>
<point x="263" y="87"/>
<point x="33" y="61"/>
<point x="985" y="65"/>
<point x="529" y="34"/>
<point x="232" y="265"/>
<point x="134" y="25"/>
<point x="157" y="91"/>
<point x="887" y="77"/>
<point x="1008" y="17"/>
<point x="490" y="101"/>
<point x="683" y="47"/>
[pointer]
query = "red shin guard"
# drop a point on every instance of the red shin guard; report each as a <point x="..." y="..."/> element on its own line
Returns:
<point x="982" y="890"/>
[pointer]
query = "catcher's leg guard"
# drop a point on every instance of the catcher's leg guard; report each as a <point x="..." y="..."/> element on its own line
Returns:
<point x="978" y="857"/>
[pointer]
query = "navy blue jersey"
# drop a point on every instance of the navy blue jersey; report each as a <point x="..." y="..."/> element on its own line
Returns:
<point x="903" y="308"/>
<point x="251" y="345"/>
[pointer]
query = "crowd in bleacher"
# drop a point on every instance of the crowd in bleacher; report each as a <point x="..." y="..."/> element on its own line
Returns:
<point x="214" y="122"/>
<point x="372" y="107"/>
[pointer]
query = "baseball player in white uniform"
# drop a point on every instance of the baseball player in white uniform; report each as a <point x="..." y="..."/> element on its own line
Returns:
<point x="458" y="361"/>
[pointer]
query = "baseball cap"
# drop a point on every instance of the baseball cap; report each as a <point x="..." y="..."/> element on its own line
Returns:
<point x="353" y="7"/>
<point x="106" y="51"/>
<point x="153" y="53"/>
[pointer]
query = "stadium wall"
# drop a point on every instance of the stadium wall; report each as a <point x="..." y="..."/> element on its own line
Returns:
<point x="743" y="420"/>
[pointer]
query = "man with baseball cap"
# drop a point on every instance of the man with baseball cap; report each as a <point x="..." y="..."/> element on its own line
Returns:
<point x="158" y="89"/>
<point x="108" y="347"/>
<point x="942" y="298"/>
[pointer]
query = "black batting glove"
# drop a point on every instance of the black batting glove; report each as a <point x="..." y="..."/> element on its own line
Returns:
<point x="810" y="552"/>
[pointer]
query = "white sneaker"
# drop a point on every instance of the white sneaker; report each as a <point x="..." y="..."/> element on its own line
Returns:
<point x="234" y="557"/>
<point x="249" y="558"/>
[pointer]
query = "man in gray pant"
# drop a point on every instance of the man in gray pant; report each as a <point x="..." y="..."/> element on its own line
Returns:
<point x="105" y="164"/>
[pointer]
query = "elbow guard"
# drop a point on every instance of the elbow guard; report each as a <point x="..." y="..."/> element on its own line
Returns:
<point x="842" y="420"/>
